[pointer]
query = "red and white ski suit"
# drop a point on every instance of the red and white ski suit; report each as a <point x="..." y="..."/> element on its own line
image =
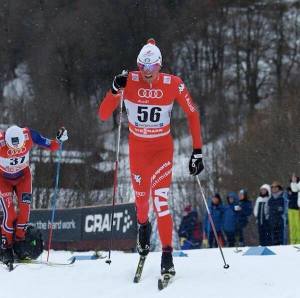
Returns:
<point x="149" y="108"/>
<point x="15" y="177"/>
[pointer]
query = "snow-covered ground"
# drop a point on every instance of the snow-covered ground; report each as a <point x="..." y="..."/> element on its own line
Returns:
<point x="201" y="274"/>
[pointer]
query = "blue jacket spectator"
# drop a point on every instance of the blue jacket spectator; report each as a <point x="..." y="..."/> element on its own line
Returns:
<point x="278" y="206"/>
<point x="244" y="210"/>
<point x="190" y="229"/>
<point x="217" y="212"/>
<point x="230" y="218"/>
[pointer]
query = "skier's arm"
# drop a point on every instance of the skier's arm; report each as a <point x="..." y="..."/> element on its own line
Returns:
<point x="40" y="140"/>
<point x="108" y="105"/>
<point x="187" y="104"/>
<point x="112" y="97"/>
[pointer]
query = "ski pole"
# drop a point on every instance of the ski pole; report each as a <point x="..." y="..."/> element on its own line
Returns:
<point x="53" y="201"/>
<point x="226" y="266"/>
<point x="115" y="188"/>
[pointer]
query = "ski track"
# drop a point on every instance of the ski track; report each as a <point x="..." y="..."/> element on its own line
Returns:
<point x="201" y="274"/>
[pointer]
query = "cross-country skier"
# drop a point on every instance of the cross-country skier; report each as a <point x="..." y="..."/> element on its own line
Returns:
<point x="15" y="177"/>
<point x="149" y="96"/>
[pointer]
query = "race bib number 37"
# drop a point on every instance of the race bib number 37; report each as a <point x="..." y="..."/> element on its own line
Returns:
<point x="14" y="164"/>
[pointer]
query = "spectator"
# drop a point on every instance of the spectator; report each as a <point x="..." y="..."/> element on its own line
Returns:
<point x="277" y="214"/>
<point x="261" y="213"/>
<point x="293" y="212"/>
<point x="244" y="210"/>
<point x="295" y="186"/>
<point x="230" y="218"/>
<point x="217" y="211"/>
<point x="190" y="229"/>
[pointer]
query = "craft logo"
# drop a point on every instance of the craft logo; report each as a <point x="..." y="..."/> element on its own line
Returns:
<point x="101" y="222"/>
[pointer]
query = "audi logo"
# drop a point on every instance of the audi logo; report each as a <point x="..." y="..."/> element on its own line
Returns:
<point x="150" y="93"/>
<point x="11" y="152"/>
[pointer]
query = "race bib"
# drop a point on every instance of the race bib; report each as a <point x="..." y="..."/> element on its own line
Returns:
<point x="148" y="120"/>
<point x="14" y="164"/>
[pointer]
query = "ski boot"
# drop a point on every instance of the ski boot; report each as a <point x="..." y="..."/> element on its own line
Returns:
<point x="143" y="241"/>
<point x="7" y="257"/>
<point x="21" y="250"/>
<point x="167" y="266"/>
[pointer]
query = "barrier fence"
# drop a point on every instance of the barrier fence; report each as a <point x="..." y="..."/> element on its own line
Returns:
<point x="88" y="228"/>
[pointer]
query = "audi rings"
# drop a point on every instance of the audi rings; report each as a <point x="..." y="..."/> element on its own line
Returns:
<point x="11" y="151"/>
<point x="150" y="93"/>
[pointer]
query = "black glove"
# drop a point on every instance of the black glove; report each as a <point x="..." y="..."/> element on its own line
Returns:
<point x="196" y="163"/>
<point x="119" y="82"/>
<point x="62" y="135"/>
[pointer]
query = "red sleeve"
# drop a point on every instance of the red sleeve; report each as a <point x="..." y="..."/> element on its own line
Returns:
<point x="184" y="99"/>
<point x="54" y="146"/>
<point x="109" y="103"/>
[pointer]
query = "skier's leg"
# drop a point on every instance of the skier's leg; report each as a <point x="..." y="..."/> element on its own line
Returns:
<point x="161" y="181"/>
<point x="140" y="178"/>
<point x="7" y="225"/>
<point x="24" y="194"/>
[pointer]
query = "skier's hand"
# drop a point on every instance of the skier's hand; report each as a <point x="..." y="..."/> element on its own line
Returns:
<point x="119" y="82"/>
<point x="196" y="163"/>
<point x="62" y="135"/>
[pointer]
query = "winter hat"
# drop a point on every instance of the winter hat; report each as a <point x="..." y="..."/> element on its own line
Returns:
<point x="276" y="184"/>
<point x="188" y="209"/>
<point x="243" y="192"/>
<point x="150" y="54"/>
<point x="14" y="137"/>
<point x="267" y="187"/>
<point x="233" y="195"/>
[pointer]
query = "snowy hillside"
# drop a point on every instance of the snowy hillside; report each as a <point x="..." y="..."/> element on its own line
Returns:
<point x="201" y="274"/>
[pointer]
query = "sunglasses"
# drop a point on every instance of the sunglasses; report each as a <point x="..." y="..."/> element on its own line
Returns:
<point x="149" y="67"/>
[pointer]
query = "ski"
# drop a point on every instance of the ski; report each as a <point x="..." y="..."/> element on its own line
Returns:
<point x="164" y="281"/>
<point x="297" y="247"/>
<point x="40" y="262"/>
<point x="96" y="256"/>
<point x="139" y="269"/>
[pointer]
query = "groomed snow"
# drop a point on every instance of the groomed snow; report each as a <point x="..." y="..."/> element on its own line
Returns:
<point x="201" y="274"/>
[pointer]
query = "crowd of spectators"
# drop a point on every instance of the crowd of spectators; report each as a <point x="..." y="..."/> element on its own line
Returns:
<point x="276" y="212"/>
